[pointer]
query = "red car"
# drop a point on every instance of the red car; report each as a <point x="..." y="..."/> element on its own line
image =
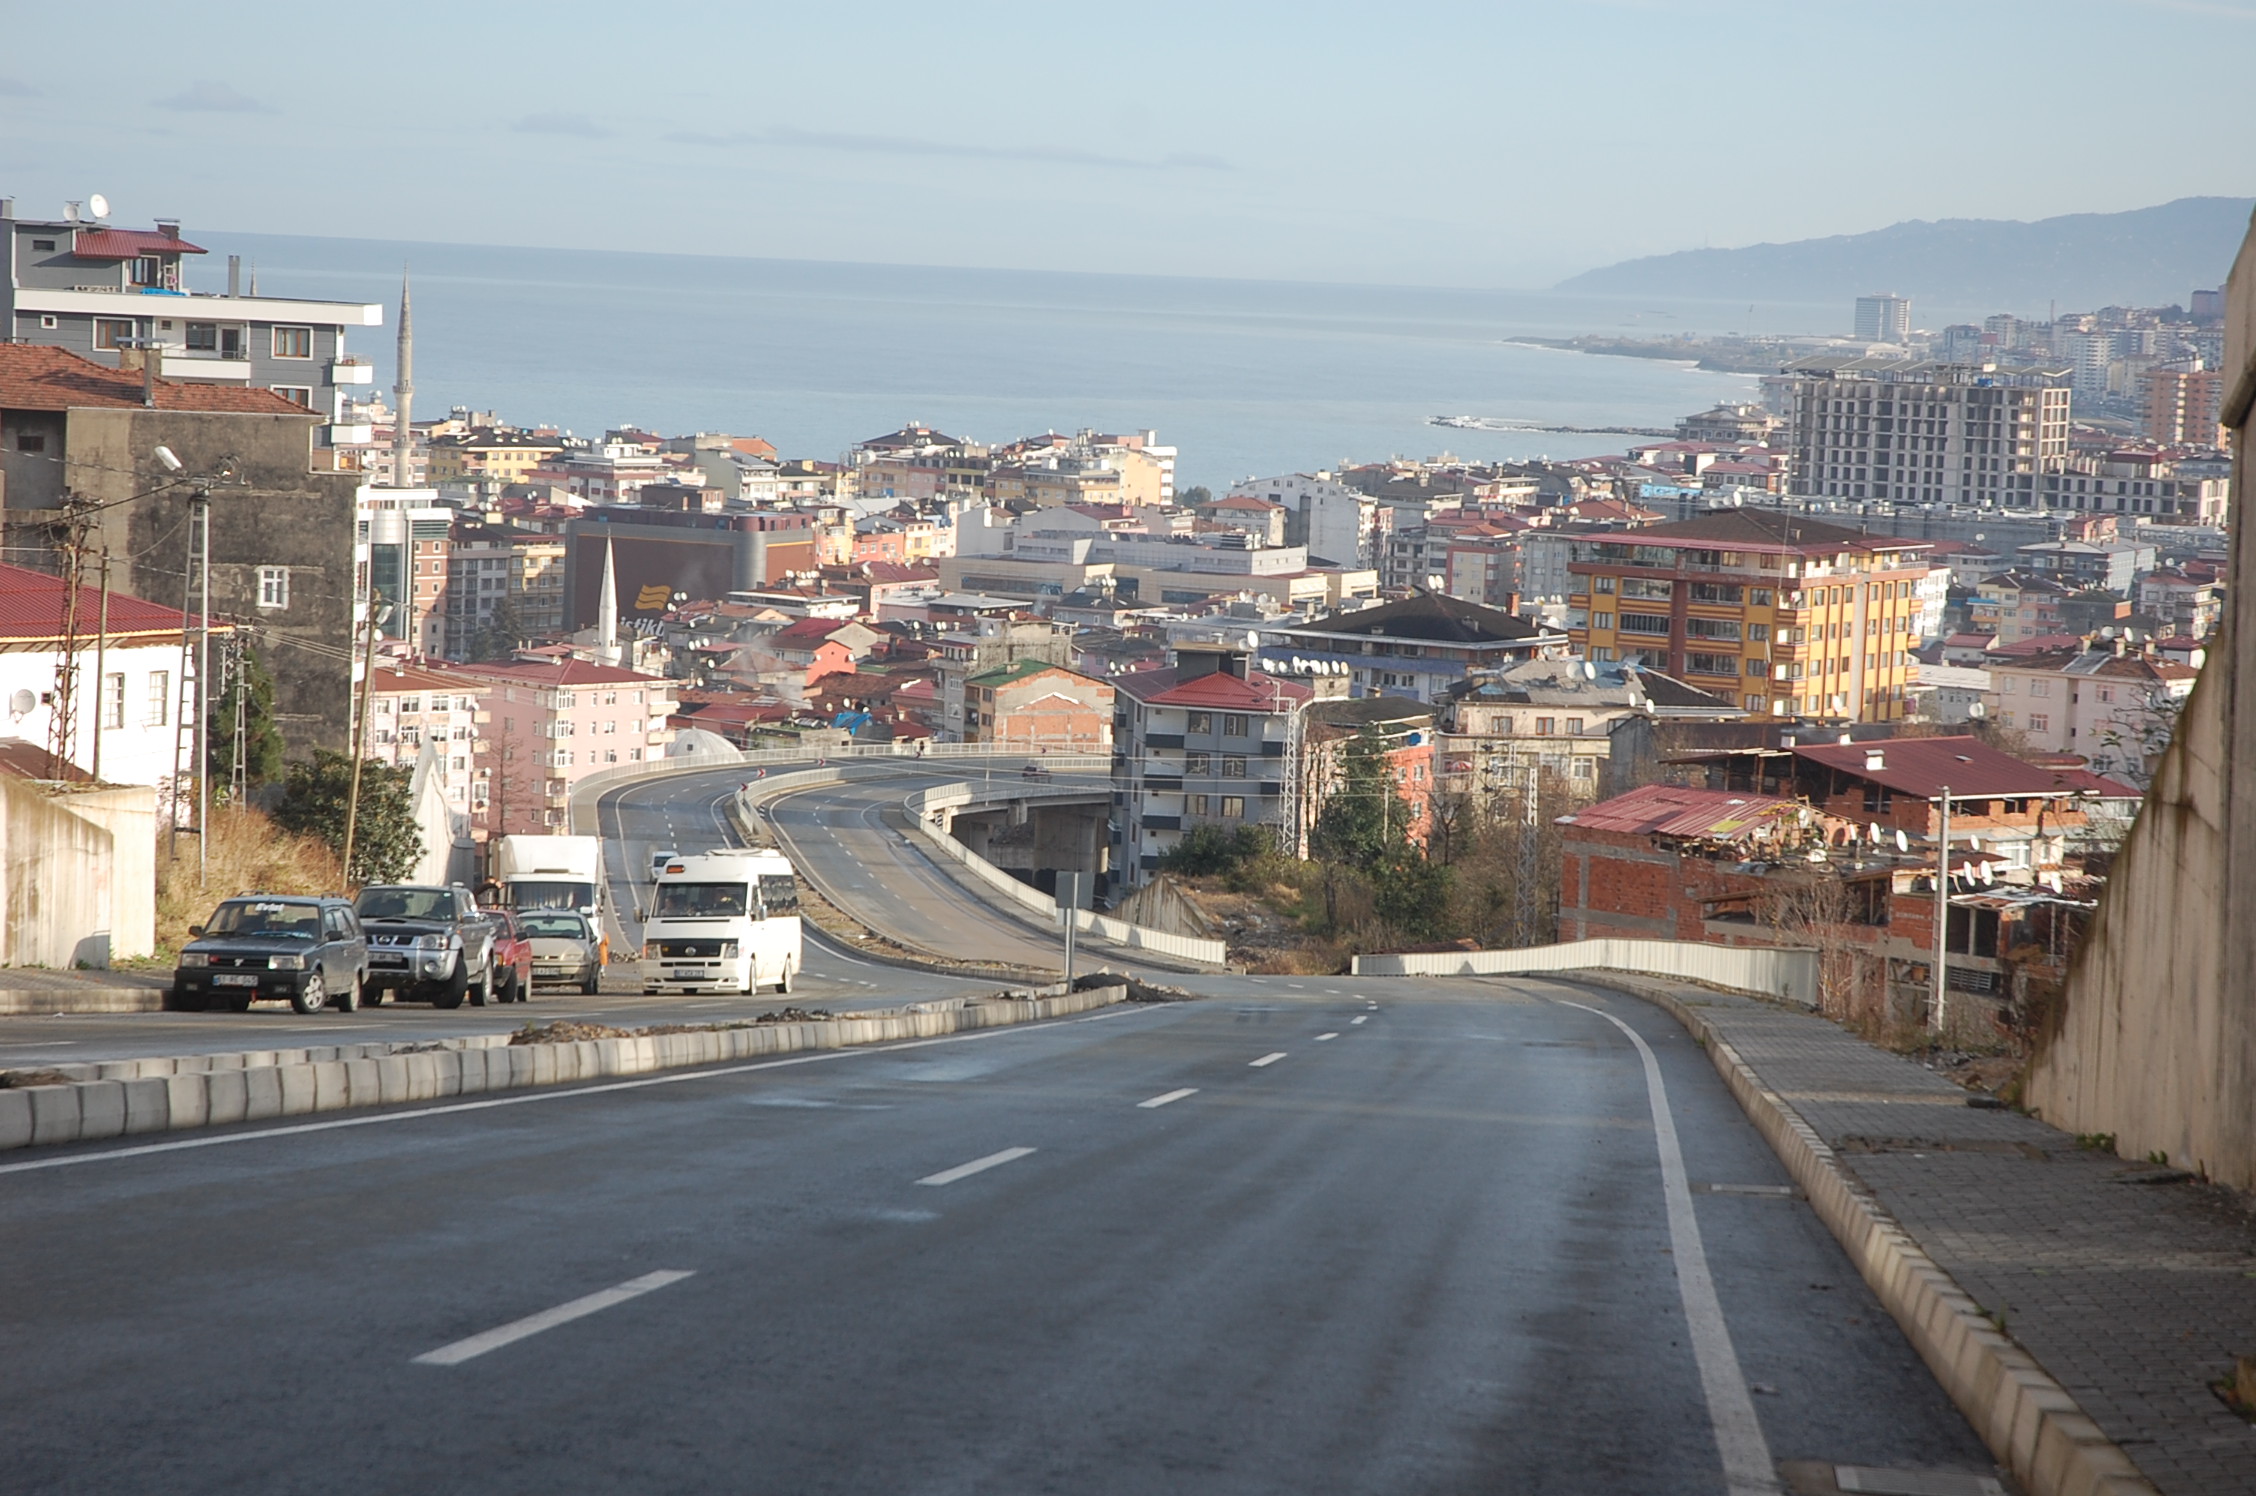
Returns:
<point x="512" y="958"/>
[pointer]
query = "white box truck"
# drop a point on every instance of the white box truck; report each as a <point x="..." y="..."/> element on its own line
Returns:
<point x="550" y="872"/>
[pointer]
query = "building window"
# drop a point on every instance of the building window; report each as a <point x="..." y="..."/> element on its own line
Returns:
<point x="47" y="321"/>
<point x="31" y="441"/>
<point x="1200" y="722"/>
<point x="1543" y="727"/>
<point x="274" y="586"/>
<point x="293" y="342"/>
<point x="2039" y="722"/>
<point x="1601" y="584"/>
<point x="160" y="698"/>
<point x="113" y="333"/>
<point x="1197" y="804"/>
<point x="296" y="394"/>
<point x="1233" y="726"/>
<point x="1233" y="807"/>
<point x="1755" y="703"/>
<point x="1574" y="727"/>
<point x="1198" y="763"/>
<point x="1601" y="620"/>
<point x="1233" y="766"/>
<point x="113" y="701"/>
<point x="148" y="270"/>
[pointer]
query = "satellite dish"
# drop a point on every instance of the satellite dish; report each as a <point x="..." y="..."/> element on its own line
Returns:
<point x="1989" y="875"/>
<point x="1874" y="828"/>
<point x="1903" y="842"/>
<point x="1974" y="843"/>
<point x="99" y="204"/>
<point x="22" y="702"/>
<point x="1817" y="854"/>
<point x="1589" y="670"/>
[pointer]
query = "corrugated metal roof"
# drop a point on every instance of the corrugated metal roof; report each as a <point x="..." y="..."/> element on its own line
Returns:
<point x="1923" y="766"/>
<point x="1673" y="810"/>
<point x="31" y="609"/>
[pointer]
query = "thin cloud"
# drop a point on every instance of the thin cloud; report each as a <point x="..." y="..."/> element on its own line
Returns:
<point x="209" y="96"/>
<point x="2221" y="10"/>
<point x="560" y="124"/>
<point x="905" y="145"/>
<point x="11" y="88"/>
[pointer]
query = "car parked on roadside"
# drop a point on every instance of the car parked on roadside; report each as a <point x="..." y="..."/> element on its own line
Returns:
<point x="427" y="944"/>
<point x="310" y="952"/>
<point x="512" y="957"/>
<point x="566" y="948"/>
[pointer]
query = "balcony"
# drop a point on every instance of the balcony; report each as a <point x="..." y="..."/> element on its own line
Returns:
<point x="348" y="434"/>
<point x="352" y="371"/>
<point x="175" y="364"/>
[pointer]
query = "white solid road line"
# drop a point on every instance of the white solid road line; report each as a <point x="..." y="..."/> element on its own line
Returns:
<point x="548" y="1319"/>
<point x="976" y="1166"/>
<point x="561" y="1092"/>
<point x="1267" y="1059"/>
<point x="1747" y="1468"/>
<point x="1360" y="1018"/>
<point x="1320" y="1038"/>
<point x="1158" y="1101"/>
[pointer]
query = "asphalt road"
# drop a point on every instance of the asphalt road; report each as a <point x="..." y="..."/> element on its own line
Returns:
<point x="1432" y="1250"/>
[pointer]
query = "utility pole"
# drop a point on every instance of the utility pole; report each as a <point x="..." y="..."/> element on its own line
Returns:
<point x="200" y="500"/>
<point x="62" y="715"/>
<point x="359" y="738"/>
<point x="1942" y="911"/>
<point x="101" y="665"/>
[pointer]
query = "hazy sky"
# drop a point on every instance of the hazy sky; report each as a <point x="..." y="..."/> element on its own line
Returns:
<point x="1481" y="144"/>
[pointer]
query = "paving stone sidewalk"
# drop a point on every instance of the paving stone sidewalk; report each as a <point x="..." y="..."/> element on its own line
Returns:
<point x="2133" y="1287"/>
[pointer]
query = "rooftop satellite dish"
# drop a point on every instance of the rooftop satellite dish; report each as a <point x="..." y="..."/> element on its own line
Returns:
<point x="1589" y="670"/>
<point x="1874" y="828"/>
<point x="22" y="702"/>
<point x="1903" y="842"/>
<point x="1989" y="874"/>
<point x="99" y="205"/>
<point x="1974" y="842"/>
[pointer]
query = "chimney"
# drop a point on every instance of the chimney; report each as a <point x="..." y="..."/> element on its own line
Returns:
<point x="234" y="275"/>
<point x="1844" y="739"/>
<point x="1875" y="759"/>
<point x="169" y="227"/>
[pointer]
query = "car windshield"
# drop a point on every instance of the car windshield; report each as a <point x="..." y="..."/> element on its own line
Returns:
<point x="701" y="900"/>
<point x="266" y="917"/>
<point x="405" y="903"/>
<point x="554" y="926"/>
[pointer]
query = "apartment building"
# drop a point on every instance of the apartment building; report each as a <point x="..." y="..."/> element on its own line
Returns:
<point x="490" y="566"/>
<point x="2113" y="705"/>
<point x="1507" y="730"/>
<point x="76" y="282"/>
<point x="413" y="706"/>
<point x="485" y="454"/>
<point x="2141" y="483"/>
<point x="558" y="721"/>
<point x="404" y="539"/>
<point x="1795" y="617"/>
<point x="1883" y="319"/>
<point x="987" y="644"/>
<point x="2014" y="606"/>
<point x="1926" y="433"/>
<point x="1202" y="742"/>
<point x="1039" y="707"/>
<point x="1418" y="647"/>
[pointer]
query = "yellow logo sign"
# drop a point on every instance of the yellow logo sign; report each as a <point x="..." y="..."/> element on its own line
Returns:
<point x="653" y="598"/>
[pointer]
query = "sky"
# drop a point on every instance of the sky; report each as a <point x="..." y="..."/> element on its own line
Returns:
<point x="1491" y="144"/>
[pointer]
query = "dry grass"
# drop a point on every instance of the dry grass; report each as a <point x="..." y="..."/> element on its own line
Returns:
<point x="248" y="853"/>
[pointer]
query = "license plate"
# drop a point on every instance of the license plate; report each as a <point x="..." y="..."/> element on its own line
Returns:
<point x="232" y="979"/>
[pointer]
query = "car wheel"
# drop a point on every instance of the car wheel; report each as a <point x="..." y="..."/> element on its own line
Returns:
<point x="592" y="983"/>
<point x="449" y="992"/>
<point x="482" y="990"/>
<point x="348" y="1001"/>
<point x="313" y="995"/>
<point x="783" y="985"/>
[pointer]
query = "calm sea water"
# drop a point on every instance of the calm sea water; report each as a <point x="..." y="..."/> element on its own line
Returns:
<point x="1244" y="377"/>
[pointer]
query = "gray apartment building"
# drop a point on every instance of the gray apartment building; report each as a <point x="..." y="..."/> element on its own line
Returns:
<point x="78" y="283"/>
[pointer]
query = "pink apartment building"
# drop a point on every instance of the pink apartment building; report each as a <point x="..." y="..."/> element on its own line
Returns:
<point x="555" y="723"/>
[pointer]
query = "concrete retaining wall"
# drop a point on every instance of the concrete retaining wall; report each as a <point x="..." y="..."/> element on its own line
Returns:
<point x="1782" y="972"/>
<point x="167" y="1094"/>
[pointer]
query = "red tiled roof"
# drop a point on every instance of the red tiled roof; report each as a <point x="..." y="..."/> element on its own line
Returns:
<point x="1261" y="692"/>
<point x="1673" y="810"/>
<point x="124" y="244"/>
<point x="390" y="678"/>
<point x="2085" y="782"/>
<point x="1923" y="766"/>
<point x="31" y="608"/>
<point x="28" y="760"/>
<point x="38" y="378"/>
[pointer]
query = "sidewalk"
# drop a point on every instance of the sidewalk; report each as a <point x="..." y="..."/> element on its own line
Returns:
<point x="2132" y="1285"/>
<point x="38" y="990"/>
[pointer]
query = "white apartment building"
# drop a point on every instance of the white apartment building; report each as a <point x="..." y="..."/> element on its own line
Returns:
<point x="1883" y="319"/>
<point x="2114" y="707"/>
<point x="1342" y="525"/>
<point x="413" y="705"/>
<point x="129" y="692"/>
<point x="1926" y="433"/>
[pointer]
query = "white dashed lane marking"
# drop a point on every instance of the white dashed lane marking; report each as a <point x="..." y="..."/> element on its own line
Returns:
<point x="976" y="1166"/>
<point x="1162" y="1100"/>
<point x="1267" y="1059"/>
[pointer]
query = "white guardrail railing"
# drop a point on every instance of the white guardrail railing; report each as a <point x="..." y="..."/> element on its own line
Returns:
<point x="923" y="803"/>
<point x="1778" y="971"/>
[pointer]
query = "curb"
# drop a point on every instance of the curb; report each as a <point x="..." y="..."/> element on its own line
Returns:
<point x="2028" y="1420"/>
<point x="87" y="997"/>
<point x="171" y="1094"/>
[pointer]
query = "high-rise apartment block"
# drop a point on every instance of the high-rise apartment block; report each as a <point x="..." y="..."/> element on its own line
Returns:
<point x="1883" y="319"/>
<point x="2184" y="405"/>
<point x="1926" y="433"/>
<point x="1791" y="616"/>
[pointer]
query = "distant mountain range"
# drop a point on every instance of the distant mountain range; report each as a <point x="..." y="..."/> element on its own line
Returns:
<point x="2146" y="257"/>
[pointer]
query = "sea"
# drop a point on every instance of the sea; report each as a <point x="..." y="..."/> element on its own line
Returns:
<point x="1243" y="377"/>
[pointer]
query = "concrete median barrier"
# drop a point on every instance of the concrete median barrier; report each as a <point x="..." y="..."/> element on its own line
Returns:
<point x="180" y="1093"/>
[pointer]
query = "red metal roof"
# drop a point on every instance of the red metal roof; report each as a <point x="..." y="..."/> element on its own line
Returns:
<point x="562" y="673"/>
<point x="1923" y="766"/>
<point x="124" y="244"/>
<point x="31" y="609"/>
<point x="39" y="378"/>
<point x="1673" y="810"/>
<point x="1261" y="693"/>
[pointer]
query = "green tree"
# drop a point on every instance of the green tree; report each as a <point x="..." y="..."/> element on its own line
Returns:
<point x="387" y="843"/>
<point x="1195" y="495"/>
<point x="1364" y="819"/>
<point x="1410" y="891"/>
<point x="251" y="688"/>
<point x="502" y="634"/>
<point x="1206" y="851"/>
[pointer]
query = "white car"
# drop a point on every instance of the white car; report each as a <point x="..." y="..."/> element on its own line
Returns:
<point x="658" y="861"/>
